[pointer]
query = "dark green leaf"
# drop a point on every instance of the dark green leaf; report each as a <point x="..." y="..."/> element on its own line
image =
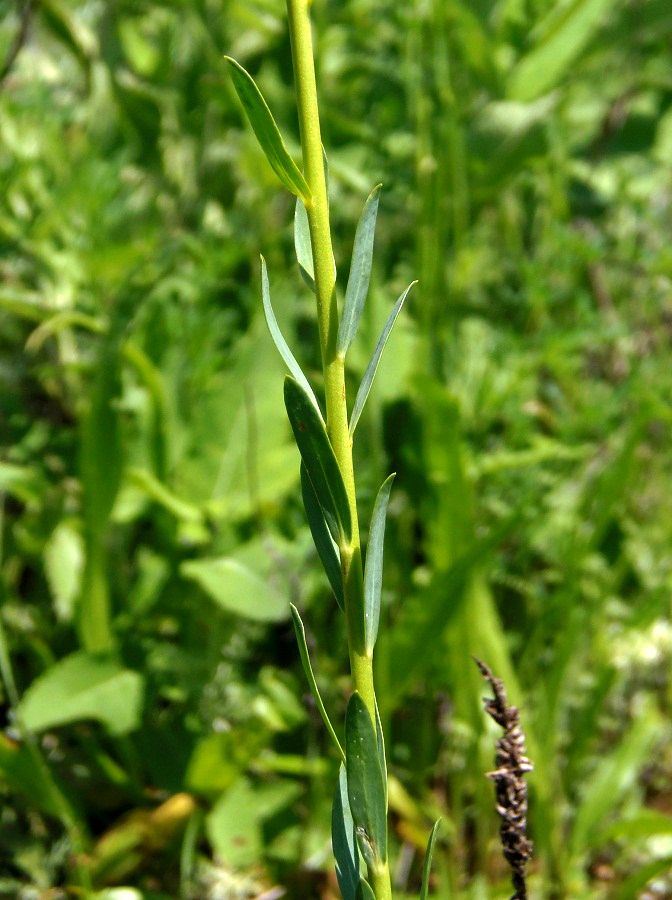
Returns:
<point x="318" y="456"/>
<point x="308" y="669"/>
<point x="324" y="543"/>
<point x="267" y="131"/>
<point x="373" y="569"/>
<point x="278" y="339"/>
<point x="366" y="784"/>
<point x="372" y="367"/>
<point x="343" y="840"/>
<point x="364" y="891"/>
<point x="360" y="273"/>
<point x="427" y="866"/>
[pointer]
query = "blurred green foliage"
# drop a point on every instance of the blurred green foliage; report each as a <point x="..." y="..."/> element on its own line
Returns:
<point x="154" y="731"/>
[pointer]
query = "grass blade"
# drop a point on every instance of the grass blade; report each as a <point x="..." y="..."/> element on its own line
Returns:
<point x="373" y="568"/>
<point x="427" y="866"/>
<point x="278" y="339"/>
<point x="372" y="367"/>
<point x="324" y="543"/>
<point x="318" y="456"/>
<point x="360" y="272"/>
<point x="267" y="132"/>
<point x="366" y="785"/>
<point x="300" y="632"/>
<point x="343" y="840"/>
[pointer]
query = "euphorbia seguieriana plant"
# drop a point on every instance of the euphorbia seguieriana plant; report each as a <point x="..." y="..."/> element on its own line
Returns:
<point x="324" y="439"/>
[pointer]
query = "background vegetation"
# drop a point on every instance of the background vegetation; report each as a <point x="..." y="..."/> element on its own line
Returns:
<point x="157" y="734"/>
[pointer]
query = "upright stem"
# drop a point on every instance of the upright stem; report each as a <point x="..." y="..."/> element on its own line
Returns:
<point x="333" y="364"/>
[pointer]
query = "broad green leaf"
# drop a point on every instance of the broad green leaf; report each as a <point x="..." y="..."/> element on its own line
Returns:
<point x="279" y="341"/>
<point x="308" y="670"/>
<point x="302" y="244"/>
<point x="237" y="588"/>
<point x="318" y="456"/>
<point x="360" y="273"/>
<point x="373" y="568"/>
<point x="372" y="367"/>
<point x="83" y="686"/>
<point x="562" y="42"/>
<point x="324" y="543"/>
<point x="364" y="891"/>
<point x="427" y="866"/>
<point x="343" y="840"/>
<point x="366" y="784"/>
<point x="267" y="132"/>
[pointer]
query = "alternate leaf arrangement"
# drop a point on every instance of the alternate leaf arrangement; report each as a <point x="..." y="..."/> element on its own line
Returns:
<point x="359" y="815"/>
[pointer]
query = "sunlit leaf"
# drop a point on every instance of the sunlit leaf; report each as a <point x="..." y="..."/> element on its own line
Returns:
<point x="267" y="132"/>
<point x="80" y="687"/>
<point x="372" y="367"/>
<point x="373" y="569"/>
<point x="360" y="273"/>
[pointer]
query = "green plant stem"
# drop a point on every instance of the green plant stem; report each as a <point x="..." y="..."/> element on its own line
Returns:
<point x="361" y="663"/>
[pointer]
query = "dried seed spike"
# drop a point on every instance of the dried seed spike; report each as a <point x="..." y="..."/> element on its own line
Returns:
<point x="510" y="786"/>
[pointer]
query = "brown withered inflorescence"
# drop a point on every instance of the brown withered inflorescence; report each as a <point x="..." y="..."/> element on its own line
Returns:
<point x="510" y="784"/>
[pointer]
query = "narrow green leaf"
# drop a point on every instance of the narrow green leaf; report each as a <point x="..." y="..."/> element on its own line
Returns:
<point x="427" y="867"/>
<point x="364" y="891"/>
<point x="279" y="341"/>
<point x="366" y="784"/>
<point x="565" y="35"/>
<point x="308" y="669"/>
<point x="83" y="686"/>
<point x="302" y="244"/>
<point x="343" y="840"/>
<point x="267" y="132"/>
<point x="360" y="272"/>
<point x="324" y="543"/>
<point x="373" y="568"/>
<point x="372" y="367"/>
<point x="318" y="456"/>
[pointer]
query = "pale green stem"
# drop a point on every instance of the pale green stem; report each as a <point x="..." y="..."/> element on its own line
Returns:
<point x="361" y="663"/>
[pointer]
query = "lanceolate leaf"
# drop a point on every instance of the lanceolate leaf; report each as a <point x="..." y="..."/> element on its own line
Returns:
<point x="343" y="840"/>
<point x="302" y="244"/>
<point x="279" y="341"/>
<point x="427" y="867"/>
<point x="360" y="272"/>
<point x="308" y="669"/>
<point x="369" y="375"/>
<point x="267" y="131"/>
<point x="366" y="784"/>
<point x="318" y="456"/>
<point x="324" y="543"/>
<point x="373" y="569"/>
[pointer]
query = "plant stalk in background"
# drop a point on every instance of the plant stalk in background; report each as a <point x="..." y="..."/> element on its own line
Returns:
<point x="359" y="819"/>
